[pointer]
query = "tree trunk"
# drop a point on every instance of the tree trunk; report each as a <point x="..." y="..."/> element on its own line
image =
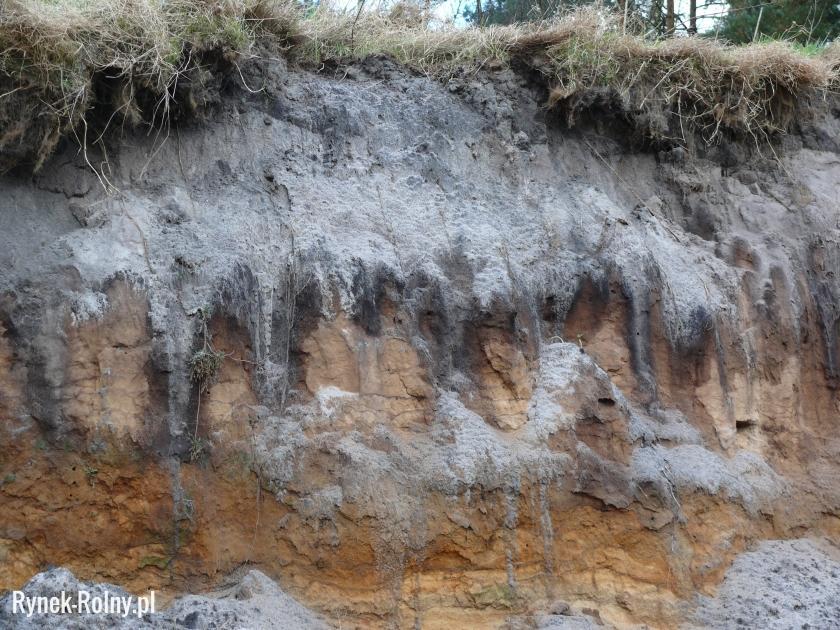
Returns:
<point x="758" y="23"/>
<point x="669" y="18"/>
<point x="692" y="17"/>
<point x="655" y="15"/>
<point x="479" y="18"/>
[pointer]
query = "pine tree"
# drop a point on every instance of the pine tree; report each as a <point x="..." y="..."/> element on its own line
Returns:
<point x="805" y="21"/>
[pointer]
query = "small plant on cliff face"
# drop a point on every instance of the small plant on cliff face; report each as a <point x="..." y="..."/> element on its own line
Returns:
<point x="204" y="366"/>
<point x="197" y="448"/>
<point x="90" y="473"/>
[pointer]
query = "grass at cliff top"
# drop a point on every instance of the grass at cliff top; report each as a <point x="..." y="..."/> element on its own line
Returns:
<point x="52" y="50"/>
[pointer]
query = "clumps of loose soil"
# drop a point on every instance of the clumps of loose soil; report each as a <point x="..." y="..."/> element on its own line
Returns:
<point x="782" y="584"/>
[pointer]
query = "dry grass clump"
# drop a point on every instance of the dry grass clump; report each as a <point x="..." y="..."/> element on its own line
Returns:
<point x="51" y="52"/>
<point x="127" y="59"/>
<point x="437" y="49"/>
<point x="669" y="89"/>
<point x="340" y="37"/>
<point x="676" y="87"/>
<point x="204" y="365"/>
<point x="831" y="57"/>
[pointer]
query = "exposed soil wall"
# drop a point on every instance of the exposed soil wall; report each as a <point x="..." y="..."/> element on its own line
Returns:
<point x="475" y="362"/>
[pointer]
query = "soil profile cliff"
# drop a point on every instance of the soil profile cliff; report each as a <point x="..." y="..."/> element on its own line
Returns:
<point x="421" y="353"/>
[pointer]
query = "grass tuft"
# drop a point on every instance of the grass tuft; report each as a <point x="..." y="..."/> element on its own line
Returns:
<point x="52" y="52"/>
<point x="204" y="365"/>
<point x="126" y="60"/>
